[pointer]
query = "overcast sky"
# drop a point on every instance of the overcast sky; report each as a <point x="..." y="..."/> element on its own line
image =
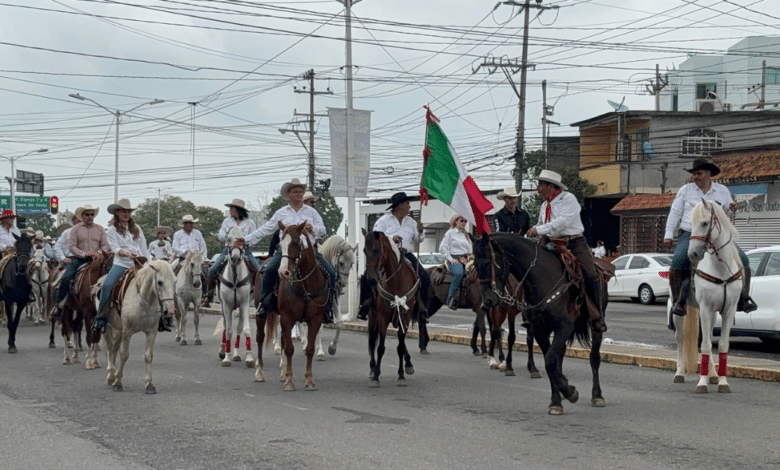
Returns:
<point x="242" y="61"/>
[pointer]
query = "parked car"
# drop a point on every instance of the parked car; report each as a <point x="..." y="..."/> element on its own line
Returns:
<point x="429" y="260"/>
<point x="643" y="277"/>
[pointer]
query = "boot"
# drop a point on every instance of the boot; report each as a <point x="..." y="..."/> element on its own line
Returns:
<point x="209" y="297"/>
<point x="746" y="303"/>
<point x="165" y="324"/>
<point x="366" y="296"/>
<point x="100" y="323"/>
<point x="264" y="307"/>
<point x="596" y="320"/>
<point x="685" y="288"/>
<point x="327" y="315"/>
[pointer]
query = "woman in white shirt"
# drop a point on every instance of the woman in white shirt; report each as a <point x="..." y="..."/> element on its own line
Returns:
<point x="160" y="247"/>
<point x="128" y="243"/>
<point x="456" y="246"/>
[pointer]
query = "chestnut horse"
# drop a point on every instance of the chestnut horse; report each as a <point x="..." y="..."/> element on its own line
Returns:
<point x="301" y="296"/>
<point x="395" y="302"/>
<point x="15" y="286"/>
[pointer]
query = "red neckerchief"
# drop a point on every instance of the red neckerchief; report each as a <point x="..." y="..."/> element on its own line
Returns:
<point x="548" y="209"/>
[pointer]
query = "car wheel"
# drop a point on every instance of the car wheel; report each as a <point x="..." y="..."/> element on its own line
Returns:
<point x="646" y="296"/>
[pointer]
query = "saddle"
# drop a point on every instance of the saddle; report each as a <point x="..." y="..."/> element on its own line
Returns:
<point x="120" y="288"/>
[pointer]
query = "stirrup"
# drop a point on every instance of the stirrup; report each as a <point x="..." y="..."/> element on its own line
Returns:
<point x="746" y="305"/>
<point x="99" y="325"/>
<point x="679" y="309"/>
<point x="164" y="325"/>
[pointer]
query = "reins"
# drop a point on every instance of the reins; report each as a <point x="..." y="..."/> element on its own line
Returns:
<point x="297" y="280"/>
<point x="160" y="299"/>
<point x="236" y="284"/>
<point x="397" y="302"/>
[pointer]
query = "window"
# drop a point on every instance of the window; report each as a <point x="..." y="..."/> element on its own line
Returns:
<point x="703" y="90"/>
<point x="773" y="75"/>
<point x="772" y="265"/>
<point x="700" y="142"/>
<point x="638" y="262"/>
<point x="620" y="263"/>
<point x="643" y="144"/>
<point x="663" y="260"/>
<point x="624" y="149"/>
<point x="675" y="101"/>
<point x="755" y="262"/>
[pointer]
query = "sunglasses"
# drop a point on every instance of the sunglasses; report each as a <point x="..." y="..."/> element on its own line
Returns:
<point x="88" y="214"/>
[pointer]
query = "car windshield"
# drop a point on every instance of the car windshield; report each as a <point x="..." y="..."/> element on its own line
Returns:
<point x="663" y="260"/>
<point x="432" y="259"/>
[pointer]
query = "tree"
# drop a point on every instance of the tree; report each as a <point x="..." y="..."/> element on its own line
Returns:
<point x="326" y="205"/>
<point x="172" y="209"/>
<point x="42" y="222"/>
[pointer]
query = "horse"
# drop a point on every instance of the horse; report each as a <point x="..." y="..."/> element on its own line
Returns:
<point x="189" y="281"/>
<point x="39" y="278"/>
<point x="550" y="300"/>
<point x="718" y="279"/>
<point x="394" y="302"/>
<point x="55" y="275"/>
<point x="148" y="295"/>
<point x="80" y="310"/>
<point x="15" y="286"/>
<point x="301" y="296"/>
<point x="235" y="293"/>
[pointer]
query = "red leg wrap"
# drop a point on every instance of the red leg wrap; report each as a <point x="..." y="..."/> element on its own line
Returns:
<point x="224" y="339"/>
<point x="238" y="341"/>
<point x="227" y="347"/>
<point x="705" y="365"/>
<point x="723" y="360"/>
<point x="248" y="343"/>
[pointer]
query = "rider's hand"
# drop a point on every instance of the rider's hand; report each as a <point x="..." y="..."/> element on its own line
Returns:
<point x="397" y="239"/>
<point x="532" y="233"/>
<point x="309" y="227"/>
<point x="67" y="260"/>
<point x="733" y="207"/>
<point x="668" y="242"/>
<point x="420" y="227"/>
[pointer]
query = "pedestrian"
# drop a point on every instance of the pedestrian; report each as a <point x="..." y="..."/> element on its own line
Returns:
<point x="600" y="251"/>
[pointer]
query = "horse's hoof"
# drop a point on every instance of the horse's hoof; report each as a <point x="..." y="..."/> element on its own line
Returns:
<point x="12" y="350"/>
<point x="289" y="387"/>
<point x="679" y="379"/>
<point x="259" y="378"/>
<point x="409" y="370"/>
<point x="236" y="358"/>
<point x="226" y="364"/>
<point x="250" y="364"/>
<point x="331" y="350"/>
<point x="150" y="390"/>
<point x="183" y="342"/>
<point x="320" y="357"/>
<point x="221" y="355"/>
<point x="70" y="344"/>
<point x="555" y="410"/>
<point x="178" y="338"/>
<point x="373" y="384"/>
<point x="574" y="396"/>
<point x="424" y="352"/>
<point x="311" y="387"/>
<point x="702" y="389"/>
<point x="52" y="345"/>
<point x="509" y="373"/>
<point x="536" y="375"/>
<point x="598" y="402"/>
<point x="502" y="367"/>
<point x="724" y="389"/>
<point x="198" y="342"/>
<point x="76" y="360"/>
<point x="493" y="365"/>
<point x="66" y="362"/>
<point x="713" y="380"/>
<point x="476" y="353"/>
<point x="400" y="382"/>
<point x="118" y="388"/>
<point x="277" y="351"/>
<point x="484" y="355"/>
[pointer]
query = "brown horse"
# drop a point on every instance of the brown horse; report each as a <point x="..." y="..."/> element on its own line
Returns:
<point x="80" y="310"/>
<point x="395" y="302"/>
<point x="301" y="296"/>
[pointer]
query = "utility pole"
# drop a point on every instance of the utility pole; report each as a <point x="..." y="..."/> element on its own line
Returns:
<point x="546" y="111"/>
<point x="655" y="88"/>
<point x="752" y="89"/>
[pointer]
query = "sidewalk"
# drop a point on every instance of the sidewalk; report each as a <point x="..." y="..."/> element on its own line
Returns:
<point x="637" y="355"/>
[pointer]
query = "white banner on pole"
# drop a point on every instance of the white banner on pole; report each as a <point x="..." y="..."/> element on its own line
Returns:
<point x="338" y="152"/>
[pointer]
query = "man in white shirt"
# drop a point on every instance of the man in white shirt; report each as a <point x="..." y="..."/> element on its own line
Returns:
<point x="189" y="238"/>
<point x="61" y="248"/>
<point x="160" y="247"/>
<point x="702" y="188"/>
<point x="559" y="218"/>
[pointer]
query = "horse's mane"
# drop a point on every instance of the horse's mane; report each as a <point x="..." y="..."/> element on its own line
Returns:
<point x="143" y="274"/>
<point x="235" y="233"/>
<point x="191" y="254"/>
<point x="334" y="245"/>
<point x="701" y="213"/>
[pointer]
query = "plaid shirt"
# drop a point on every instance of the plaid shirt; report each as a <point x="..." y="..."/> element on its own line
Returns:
<point x="83" y="239"/>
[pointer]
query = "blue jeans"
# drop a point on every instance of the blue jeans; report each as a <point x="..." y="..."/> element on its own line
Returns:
<point x="68" y="275"/>
<point x="681" y="261"/>
<point x="108" y="285"/>
<point x="221" y="258"/>
<point x="457" y="277"/>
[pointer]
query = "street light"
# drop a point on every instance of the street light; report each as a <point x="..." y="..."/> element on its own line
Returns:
<point x="13" y="177"/>
<point x="117" y="115"/>
<point x="159" y="190"/>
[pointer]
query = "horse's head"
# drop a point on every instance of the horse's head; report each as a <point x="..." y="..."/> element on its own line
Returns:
<point x="488" y="262"/>
<point x="291" y="248"/>
<point x="194" y="267"/>
<point x="236" y="243"/>
<point x="24" y="249"/>
<point x="375" y="248"/>
<point x="157" y="280"/>
<point x="710" y="229"/>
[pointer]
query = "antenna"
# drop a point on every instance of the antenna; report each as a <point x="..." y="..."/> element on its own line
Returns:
<point x="620" y="108"/>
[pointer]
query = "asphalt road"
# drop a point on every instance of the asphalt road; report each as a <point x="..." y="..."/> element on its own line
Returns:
<point x="455" y="413"/>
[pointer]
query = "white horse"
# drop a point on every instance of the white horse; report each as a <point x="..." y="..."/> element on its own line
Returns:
<point x="718" y="282"/>
<point x="188" y="291"/>
<point x="150" y="293"/>
<point x="235" y="293"/>
<point x="39" y="278"/>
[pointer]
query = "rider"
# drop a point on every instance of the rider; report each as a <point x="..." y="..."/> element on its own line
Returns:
<point x="239" y="216"/>
<point x="702" y="188"/>
<point x="293" y="214"/>
<point x="161" y="247"/>
<point x="559" y="218"/>
<point x="188" y="238"/>
<point x="85" y="240"/>
<point x="511" y="218"/>
<point x="61" y="249"/>
<point x="402" y="229"/>
<point x="128" y="243"/>
<point x="7" y="231"/>
<point x="456" y="246"/>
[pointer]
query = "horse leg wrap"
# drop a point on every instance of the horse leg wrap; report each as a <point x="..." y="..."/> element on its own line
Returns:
<point x="705" y="365"/>
<point x="248" y="344"/>
<point x="238" y="341"/>
<point x="723" y="359"/>
<point x="224" y="339"/>
<point x="227" y="348"/>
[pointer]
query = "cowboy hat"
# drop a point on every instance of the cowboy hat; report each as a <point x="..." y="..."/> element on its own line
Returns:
<point x="163" y="228"/>
<point x="702" y="164"/>
<point x="29" y="232"/>
<point x="237" y="203"/>
<point x="7" y="213"/>
<point x="188" y="218"/>
<point x="123" y="203"/>
<point x="62" y="228"/>
<point x="398" y="199"/>
<point x="507" y="192"/>
<point x="38" y="235"/>
<point x="289" y="185"/>
<point x="86" y="208"/>
<point x="308" y="195"/>
<point x="550" y="176"/>
<point x="47" y="239"/>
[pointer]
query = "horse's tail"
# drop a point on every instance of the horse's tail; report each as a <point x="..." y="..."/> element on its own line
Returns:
<point x="270" y="327"/>
<point x="581" y="328"/>
<point x="220" y="328"/>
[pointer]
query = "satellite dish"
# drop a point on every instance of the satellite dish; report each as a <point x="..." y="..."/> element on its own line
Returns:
<point x="620" y="108"/>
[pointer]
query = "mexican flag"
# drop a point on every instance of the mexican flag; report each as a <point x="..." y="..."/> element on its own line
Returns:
<point x="445" y="178"/>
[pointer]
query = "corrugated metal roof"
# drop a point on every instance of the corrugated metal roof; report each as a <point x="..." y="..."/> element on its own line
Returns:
<point x="644" y="202"/>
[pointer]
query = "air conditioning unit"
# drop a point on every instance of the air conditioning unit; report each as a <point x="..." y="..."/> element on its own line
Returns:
<point x="708" y="106"/>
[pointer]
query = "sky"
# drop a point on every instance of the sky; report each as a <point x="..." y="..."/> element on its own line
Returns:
<point x="230" y="74"/>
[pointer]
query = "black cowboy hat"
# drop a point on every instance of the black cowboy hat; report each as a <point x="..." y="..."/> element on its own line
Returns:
<point x="702" y="164"/>
<point x="398" y="199"/>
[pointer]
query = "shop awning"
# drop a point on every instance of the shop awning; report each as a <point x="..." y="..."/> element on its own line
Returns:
<point x="746" y="192"/>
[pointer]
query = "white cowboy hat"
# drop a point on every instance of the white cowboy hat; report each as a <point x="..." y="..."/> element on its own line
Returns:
<point x="288" y="185"/>
<point x="47" y="239"/>
<point x="85" y="208"/>
<point x="308" y="195"/>
<point x="123" y="203"/>
<point x="188" y="218"/>
<point x="163" y="228"/>
<point x="551" y="177"/>
<point x="38" y="235"/>
<point x="507" y="192"/>
<point x="236" y="202"/>
<point x="29" y="232"/>
<point x="62" y="228"/>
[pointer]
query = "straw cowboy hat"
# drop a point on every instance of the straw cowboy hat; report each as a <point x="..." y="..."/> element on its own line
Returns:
<point x="289" y="185"/>
<point x="38" y="235"/>
<point x="551" y="177"/>
<point x="309" y="196"/>
<point x="47" y="239"/>
<point x="188" y="218"/>
<point x="398" y="199"/>
<point x="123" y="203"/>
<point x="163" y="228"/>
<point x="86" y="208"/>
<point x="507" y="192"/>
<point x="62" y="228"/>
<point x="7" y="213"/>
<point x="702" y="164"/>
<point x="237" y="203"/>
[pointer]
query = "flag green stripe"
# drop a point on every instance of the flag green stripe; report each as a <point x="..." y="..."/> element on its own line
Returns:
<point x="441" y="172"/>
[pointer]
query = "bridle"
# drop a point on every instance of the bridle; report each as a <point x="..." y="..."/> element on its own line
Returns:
<point x="238" y="244"/>
<point x="298" y="282"/>
<point x="160" y="299"/>
<point x="707" y="238"/>
<point x="397" y="302"/>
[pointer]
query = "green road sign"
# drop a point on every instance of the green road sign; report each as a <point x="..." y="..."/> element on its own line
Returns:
<point x="27" y="205"/>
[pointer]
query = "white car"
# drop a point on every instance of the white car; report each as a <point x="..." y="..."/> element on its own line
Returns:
<point x="429" y="260"/>
<point x="643" y="277"/>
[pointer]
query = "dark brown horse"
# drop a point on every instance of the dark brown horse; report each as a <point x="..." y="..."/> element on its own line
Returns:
<point x="16" y="286"/>
<point x="550" y="300"/>
<point x="395" y="302"/>
<point x="302" y="295"/>
<point x="80" y="310"/>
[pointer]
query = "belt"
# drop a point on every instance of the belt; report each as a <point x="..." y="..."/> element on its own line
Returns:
<point x="459" y="256"/>
<point x="568" y="238"/>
